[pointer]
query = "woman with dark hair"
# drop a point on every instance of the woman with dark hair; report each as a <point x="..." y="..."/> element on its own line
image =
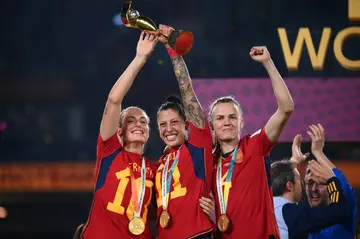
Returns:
<point x="184" y="171"/>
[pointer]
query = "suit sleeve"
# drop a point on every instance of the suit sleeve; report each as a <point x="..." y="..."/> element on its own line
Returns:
<point x="302" y="219"/>
<point x="348" y="190"/>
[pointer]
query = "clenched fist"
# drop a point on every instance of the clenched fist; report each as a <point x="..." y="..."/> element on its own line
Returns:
<point x="260" y="54"/>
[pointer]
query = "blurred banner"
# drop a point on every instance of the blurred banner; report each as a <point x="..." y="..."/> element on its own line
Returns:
<point x="333" y="102"/>
<point x="52" y="177"/>
<point x="79" y="177"/>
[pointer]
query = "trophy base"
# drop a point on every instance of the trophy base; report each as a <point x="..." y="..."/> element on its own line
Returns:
<point x="181" y="41"/>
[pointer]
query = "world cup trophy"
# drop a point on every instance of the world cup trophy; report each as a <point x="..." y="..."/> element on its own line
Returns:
<point x="181" y="41"/>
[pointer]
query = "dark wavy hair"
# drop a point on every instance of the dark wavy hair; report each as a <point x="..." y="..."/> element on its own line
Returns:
<point x="173" y="102"/>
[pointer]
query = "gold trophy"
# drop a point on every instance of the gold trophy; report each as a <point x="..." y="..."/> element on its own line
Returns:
<point x="181" y="41"/>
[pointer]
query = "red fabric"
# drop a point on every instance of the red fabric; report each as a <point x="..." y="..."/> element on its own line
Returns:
<point x="172" y="53"/>
<point x="250" y="205"/>
<point x="187" y="218"/>
<point x="103" y="222"/>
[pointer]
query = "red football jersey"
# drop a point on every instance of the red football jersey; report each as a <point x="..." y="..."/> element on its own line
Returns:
<point x="250" y="204"/>
<point x="112" y="209"/>
<point x="191" y="180"/>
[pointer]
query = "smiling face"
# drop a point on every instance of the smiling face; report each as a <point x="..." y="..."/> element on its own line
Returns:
<point x="317" y="194"/>
<point x="172" y="127"/>
<point x="135" y="126"/>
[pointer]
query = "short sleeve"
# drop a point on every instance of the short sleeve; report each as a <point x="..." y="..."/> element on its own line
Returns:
<point x="199" y="137"/>
<point x="263" y="142"/>
<point x="107" y="147"/>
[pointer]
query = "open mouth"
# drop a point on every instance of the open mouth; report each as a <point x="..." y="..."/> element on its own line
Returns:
<point x="171" y="137"/>
<point x="315" y="197"/>
<point x="137" y="132"/>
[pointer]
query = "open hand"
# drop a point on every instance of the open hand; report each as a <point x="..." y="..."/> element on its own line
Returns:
<point x="208" y="205"/>
<point x="146" y="44"/>
<point x="297" y="156"/>
<point x="316" y="134"/>
<point x="320" y="172"/>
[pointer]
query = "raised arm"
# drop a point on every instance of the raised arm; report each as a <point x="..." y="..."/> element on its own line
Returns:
<point x="276" y="124"/>
<point x="302" y="219"/>
<point x="194" y="112"/>
<point x="111" y="115"/>
<point x="317" y="135"/>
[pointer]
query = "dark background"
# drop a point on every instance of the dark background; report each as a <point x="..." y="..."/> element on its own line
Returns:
<point x="59" y="59"/>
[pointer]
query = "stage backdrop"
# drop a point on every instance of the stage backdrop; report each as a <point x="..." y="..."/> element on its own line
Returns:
<point x="333" y="102"/>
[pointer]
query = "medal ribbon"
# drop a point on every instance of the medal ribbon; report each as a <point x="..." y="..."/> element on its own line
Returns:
<point x="224" y="195"/>
<point x="138" y="199"/>
<point x="167" y="177"/>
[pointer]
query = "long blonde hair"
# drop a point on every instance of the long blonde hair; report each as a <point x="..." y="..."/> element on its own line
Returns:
<point x="225" y="99"/>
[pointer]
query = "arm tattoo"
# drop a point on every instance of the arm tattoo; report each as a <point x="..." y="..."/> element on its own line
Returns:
<point x="194" y="112"/>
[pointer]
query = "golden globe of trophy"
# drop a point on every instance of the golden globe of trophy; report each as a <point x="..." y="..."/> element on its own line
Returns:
<point x="181" y="41"/>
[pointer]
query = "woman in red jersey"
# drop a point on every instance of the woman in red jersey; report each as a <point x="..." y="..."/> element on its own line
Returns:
<point x="244" y="206"/>
<point x="185" y="170"/>
<point x="124" y="177"/>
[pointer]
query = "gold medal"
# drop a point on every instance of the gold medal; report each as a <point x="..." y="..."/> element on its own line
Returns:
<point x="223" y="223"/>
<point x="164" y="219"/>
<point x="136" y="226"/>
